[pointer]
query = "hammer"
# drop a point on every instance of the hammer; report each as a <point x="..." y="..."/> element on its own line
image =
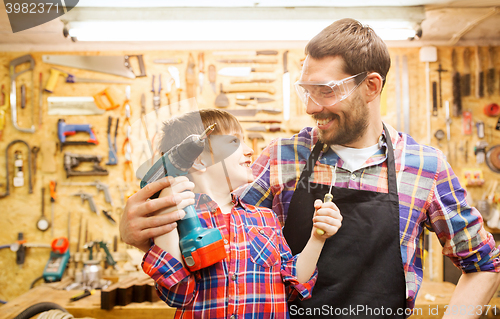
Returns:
<point x="255" y="137"/>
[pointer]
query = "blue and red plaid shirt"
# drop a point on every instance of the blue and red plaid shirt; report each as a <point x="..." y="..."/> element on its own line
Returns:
<point x="254" y="281"/>
<point x="430" y="195"/>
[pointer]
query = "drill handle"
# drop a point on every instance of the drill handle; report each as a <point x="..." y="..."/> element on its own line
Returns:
<point x="52" y="81"/>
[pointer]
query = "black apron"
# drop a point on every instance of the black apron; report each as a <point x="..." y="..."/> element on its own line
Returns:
<point x="360" y="267"/>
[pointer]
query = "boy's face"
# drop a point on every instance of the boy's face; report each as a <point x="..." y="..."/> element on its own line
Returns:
<point x="237" y="164"/>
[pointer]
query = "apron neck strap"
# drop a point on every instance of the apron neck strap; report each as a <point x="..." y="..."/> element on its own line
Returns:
<point x="391" y="164"/>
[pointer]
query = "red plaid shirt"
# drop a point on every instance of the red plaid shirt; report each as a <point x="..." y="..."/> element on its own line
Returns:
<point x="254" y="281"/>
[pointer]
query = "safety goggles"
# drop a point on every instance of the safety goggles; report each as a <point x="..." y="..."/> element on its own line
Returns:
<point x="328" y="93"/>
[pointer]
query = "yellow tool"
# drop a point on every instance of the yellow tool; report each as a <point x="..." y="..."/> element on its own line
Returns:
<point x="69" y="78"/>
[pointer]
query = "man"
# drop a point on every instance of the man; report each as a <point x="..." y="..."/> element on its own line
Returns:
<point x="387" y="187"/>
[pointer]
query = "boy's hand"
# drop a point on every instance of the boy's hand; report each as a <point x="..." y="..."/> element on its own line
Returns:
<point x="327" y="218"/>
<point x="142" y="218"/>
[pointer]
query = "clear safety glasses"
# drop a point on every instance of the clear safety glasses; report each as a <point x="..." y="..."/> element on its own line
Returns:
<point x="328" y="93"/>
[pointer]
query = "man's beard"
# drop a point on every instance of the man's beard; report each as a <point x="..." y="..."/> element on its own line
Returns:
<point x="351" y="128"/>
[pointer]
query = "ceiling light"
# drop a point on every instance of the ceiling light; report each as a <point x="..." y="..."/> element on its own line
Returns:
<point x="217" y="30"/>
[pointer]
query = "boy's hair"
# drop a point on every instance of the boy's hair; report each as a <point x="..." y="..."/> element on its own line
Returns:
<point x="177" y="129"/>
<point x="358" y="45"/>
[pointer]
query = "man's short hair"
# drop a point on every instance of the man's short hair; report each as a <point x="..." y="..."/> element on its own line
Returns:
<point x="358" y="45"/>
<point x="177" y="129"/>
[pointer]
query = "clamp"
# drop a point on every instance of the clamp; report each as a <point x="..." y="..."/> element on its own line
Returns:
<point x="7" y="191"/>
<point x="127" y="152"/>
<point x="156" y="94"/>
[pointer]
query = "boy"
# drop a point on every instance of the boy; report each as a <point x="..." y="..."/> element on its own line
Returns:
<point x="259" y="273"/>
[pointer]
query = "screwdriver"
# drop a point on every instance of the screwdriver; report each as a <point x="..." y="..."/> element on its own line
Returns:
<point x="53" y="185"/>
<point x="328" y="196"/>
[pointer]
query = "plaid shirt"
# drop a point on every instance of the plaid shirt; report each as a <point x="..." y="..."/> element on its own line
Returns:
<point x="254" y="281"/>
<point x="430" y="195"/>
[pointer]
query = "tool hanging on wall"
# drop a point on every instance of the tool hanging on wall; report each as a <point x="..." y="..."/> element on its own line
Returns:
<point x="493" y="158"/>
<point x="7" y="189"/>
<point x="479" y="75"/>
<point x="89" y="198"/>
<point x="241" y="89"/>
<point x="18" y="180"/>
<point x="110" y="218"/>
<point x="480" y="152"/>
<point x="58" y="260"/>
<point x="262" y="61"/>
<point x="70" y="78"/>
<point x="34" y="156"/>
<point x="456" y="87"/>
<point x="434" y="99"/>
<point x="439" y="135"/>
<point x="261" y="52"/>
<point x="448" y="128"/>
<point x="221" y="100"/>
<point x="257" y="99"/>
<point x="242" y="71"/>
<point x="237" y="81"/>
<point x="466" y="79"/>
<point x="64" y="130"/>
<point x="116" y="65"/>
<point x="490" y="78"/>
<point x="480" y="129"/>
<point x="43" y="223"/>
<point x="71" y="161"/>
<point x="112" y="150"/>
<point x="168" y="61"/>
<point x="467" y="122"/>
<point x="101" y="187"/>
<point x="253" y="112"/>
<point x="128" y="171"/>
<point x="264" y="128"/>
<point x="169" y="93"/>
<point x="156" y="95"/>
<point x="190" y="78"/>
<point x="52" y="187"/>
<point x="201" y="70"/>
<point x="40" y="100"/>
<point x="13" y="90"/>
<point x="73" y="105"/>
<point x="439" y="71"/>
<point x="211" y="77"/>
<point x="3" y="111"/>
<point x="491" y="110"/>
<point x="108" y="99"/>
<point x="174" y="73"/>
<point x="286" y="88"/>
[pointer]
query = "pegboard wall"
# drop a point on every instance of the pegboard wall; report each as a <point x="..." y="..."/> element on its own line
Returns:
<point x="21" y="210"/>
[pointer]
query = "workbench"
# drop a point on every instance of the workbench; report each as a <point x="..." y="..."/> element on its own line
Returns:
<point x="90" y="306"/>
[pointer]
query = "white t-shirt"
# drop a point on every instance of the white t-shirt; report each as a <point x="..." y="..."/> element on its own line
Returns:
<point x="354" y="158"/>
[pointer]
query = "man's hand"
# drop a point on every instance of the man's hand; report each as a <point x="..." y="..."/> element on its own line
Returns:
<point x="144" y="219"/>
<point x="327" y="218"/>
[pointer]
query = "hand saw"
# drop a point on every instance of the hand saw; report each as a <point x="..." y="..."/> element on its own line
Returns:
<point x="116" y="65"/>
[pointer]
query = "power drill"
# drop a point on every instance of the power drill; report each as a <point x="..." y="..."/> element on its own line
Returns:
<point x="200" y="247"/>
